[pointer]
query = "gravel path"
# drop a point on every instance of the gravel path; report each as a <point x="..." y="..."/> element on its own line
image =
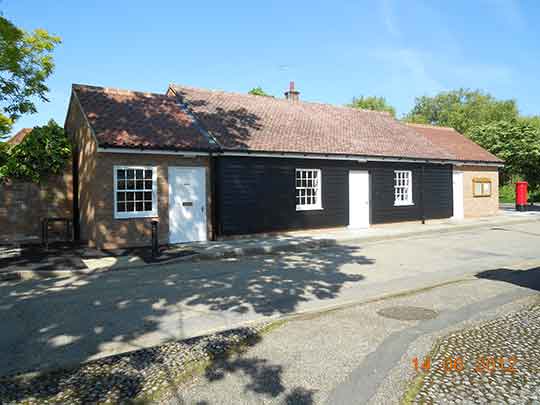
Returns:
<point x="496" y="361"/>
<point x="140" y="375"/>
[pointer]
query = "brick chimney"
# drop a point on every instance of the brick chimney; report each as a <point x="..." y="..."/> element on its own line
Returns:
<point x="292" y="94"/>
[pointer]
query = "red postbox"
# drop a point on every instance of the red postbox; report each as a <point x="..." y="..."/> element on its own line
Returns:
<point x="521" y="196"/>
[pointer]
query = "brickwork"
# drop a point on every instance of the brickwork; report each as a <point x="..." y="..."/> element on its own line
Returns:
<point x="111" y="233"/>
<point x="24" y="204"/>
<point x="480" y="206"/>
<point x="99" y="228"/>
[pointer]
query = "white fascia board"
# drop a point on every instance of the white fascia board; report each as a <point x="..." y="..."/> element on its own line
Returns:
<point x="294" y="156"/>
<point x="362" y="159"/>
<point x="490" y="164"/>
<point x="151" y="152"/>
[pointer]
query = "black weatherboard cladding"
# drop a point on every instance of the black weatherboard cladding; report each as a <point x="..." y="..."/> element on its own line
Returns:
<point x="258" y="194"/>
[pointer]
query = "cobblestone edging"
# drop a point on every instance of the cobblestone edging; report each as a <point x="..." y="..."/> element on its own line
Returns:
<point x="136" y="376"/>
<point x="494" y="362"/>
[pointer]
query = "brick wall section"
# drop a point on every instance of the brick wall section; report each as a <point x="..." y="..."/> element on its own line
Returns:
<point x="99" y="228"/>
<point x="111" y="233"/>
<point x="480" y="206"/>
<point x="24" y="204"/>
<point x="85" y="152"/>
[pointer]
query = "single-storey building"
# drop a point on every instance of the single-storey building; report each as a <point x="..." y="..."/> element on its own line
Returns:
<point x="209" y="164"/>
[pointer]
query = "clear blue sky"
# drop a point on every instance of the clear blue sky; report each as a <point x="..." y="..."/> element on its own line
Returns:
<point x="334" y="50"/>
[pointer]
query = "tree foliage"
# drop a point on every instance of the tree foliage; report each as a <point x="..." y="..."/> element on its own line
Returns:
<point x="462" y="109"/>
<point x="25" y="64"/>
<point x="372" y="103"/>
<point x="4" y="153"/>
<point x="258" y="91"/>
<point x="44" y="151"/>
<point x="516" y="142"/>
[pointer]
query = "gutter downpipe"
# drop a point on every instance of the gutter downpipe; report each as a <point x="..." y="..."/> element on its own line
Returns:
<point x="422" y="193"/>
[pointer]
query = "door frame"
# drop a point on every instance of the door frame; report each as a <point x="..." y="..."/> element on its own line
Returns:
<point x="369" y="196"/>
<point x="205" y="200"/>
<point x="462" y="200"/>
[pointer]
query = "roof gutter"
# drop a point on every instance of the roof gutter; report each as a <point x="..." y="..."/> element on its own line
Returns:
<point x="134" y="151"/>
<point x="293" y="155"/>
<point x="358" y="158"/>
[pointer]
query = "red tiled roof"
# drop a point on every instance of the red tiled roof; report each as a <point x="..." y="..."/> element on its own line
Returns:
<point x="131" y="119"/>
<point x="19" y="136"/>
<point x="461" y="147"/>
<point x="244" y="122"/>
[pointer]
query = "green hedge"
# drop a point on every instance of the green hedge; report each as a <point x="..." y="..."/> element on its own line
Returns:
<point x="44" y="151"/>
<point x="507" y="193"/>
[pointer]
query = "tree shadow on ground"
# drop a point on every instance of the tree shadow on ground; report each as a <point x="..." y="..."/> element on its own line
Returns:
<point x="59" y="257"/>
<point x="529" y="278"/>
<point x="53" y="322"/>
<point x="263" y="377"/>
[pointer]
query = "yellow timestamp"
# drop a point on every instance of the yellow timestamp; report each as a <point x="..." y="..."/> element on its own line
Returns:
<point x="483" y="364"/>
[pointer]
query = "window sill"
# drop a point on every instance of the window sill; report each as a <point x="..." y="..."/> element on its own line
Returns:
<point x="309" y="208"/>
<point x="135" y="215"/>
<point x="403" y="205"/>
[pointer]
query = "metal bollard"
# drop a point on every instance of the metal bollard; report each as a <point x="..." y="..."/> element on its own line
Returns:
<point x="155" y="241"/>
<point x="45" y="233"/>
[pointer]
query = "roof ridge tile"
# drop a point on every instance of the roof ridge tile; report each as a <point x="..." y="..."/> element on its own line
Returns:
<point x="119" y="91"/>
<point x="281" y="100"/>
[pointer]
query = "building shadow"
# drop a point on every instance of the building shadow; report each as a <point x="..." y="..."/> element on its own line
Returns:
<point x="529" y="278"/>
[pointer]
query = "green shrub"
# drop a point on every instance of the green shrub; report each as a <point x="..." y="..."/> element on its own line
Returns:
<point x="507" y="193"/>
<point x="43" y="152"/>
<point x="4" y="153"/>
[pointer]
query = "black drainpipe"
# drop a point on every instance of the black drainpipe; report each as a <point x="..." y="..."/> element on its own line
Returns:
<point x="422" y="202"/>
<point x="213" y="196"/>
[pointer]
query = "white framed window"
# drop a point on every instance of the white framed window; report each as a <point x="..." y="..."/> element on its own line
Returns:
<point x="481" y="187"/>
<point x="308" y="189"/>
<point x="135" y="192"/>
<point x="403" y="187"/>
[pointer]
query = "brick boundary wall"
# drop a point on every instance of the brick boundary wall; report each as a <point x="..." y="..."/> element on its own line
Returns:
<point x="23" y="205"/>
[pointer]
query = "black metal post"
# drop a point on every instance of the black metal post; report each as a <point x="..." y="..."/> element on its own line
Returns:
<point x="45" y="233"/>
<point x="155" y="241"/>
<point x="422" y="193"/>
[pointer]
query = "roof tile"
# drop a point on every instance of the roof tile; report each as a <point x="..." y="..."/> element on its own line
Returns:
<point x="19" y="136"/>
<point x="461" y="147"/>
<point x="122" y="118"/>
<point x="244" y="122"/>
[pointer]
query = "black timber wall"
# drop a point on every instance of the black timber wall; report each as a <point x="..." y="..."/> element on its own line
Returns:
<point x="258" y="194"/>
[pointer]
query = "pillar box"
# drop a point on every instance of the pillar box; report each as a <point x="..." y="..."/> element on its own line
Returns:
<point x="521" y="196"/>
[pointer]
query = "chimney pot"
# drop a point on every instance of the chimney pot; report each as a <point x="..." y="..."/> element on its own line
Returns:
<point x="292" y="94"/>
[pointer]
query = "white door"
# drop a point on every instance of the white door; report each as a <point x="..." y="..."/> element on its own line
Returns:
<point x="358" y="199"/>
<point x="187" y="204"/>
<point x="457" y="182"/>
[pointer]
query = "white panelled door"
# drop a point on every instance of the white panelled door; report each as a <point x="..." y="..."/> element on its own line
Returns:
<point x="457" y="183"/>
<point x="187" y="204"/>
<point x="359" y="199"/>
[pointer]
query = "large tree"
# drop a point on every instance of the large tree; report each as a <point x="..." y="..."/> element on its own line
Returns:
<point x="517" y="142"/>
<point x="25" y="64"/>
<point x="372" y="103"/>
<point x="462" y="109"/>
<point x="258" y="91"/>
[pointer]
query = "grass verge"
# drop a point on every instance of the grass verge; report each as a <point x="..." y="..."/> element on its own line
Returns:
<point x="415" y="386"/>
